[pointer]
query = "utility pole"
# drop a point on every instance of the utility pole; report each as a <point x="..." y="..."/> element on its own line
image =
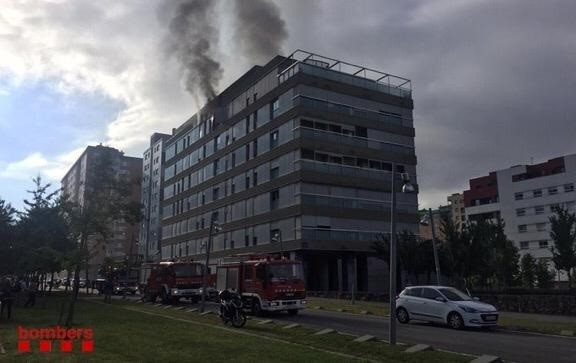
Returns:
<point x="436" y="261"/>
<point x="214" y="227"/>
<point x="392" y="291"/>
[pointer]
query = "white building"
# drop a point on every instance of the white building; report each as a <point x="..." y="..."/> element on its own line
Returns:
<point x="524" y="196"/>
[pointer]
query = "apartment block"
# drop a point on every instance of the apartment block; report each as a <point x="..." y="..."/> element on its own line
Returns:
<point x="123" y="239"/>
<point x="524" y="197"/>
<point x="457" y="209"/>
<point x="296" y="156"/>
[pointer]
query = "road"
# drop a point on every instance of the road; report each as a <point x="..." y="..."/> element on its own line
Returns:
<point x="516" y="347"/>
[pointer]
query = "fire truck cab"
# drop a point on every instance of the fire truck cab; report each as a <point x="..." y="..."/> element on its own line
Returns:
<point x="172" y="280"/>
<point x="265" y="282"/>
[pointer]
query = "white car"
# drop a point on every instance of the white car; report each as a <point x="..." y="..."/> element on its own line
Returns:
<point x="446" y="305"/>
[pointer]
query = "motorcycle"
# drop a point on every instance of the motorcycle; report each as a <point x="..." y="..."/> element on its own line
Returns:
<point x="232" y="309"/>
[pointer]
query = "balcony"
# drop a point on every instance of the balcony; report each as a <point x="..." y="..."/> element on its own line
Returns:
<point x="337" y="138"/>
<point x="348" y="73"/>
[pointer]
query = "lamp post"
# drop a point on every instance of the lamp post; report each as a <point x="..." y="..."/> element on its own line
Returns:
<point x="214" y="227"/>
<point x="278" y="238"/>
<point x="406" y="188"/>
<point x="425" y="222"/>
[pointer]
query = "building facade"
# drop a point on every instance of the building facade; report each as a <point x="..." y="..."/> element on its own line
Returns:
<point x="123" y="240"/>
<point x="151" y="198"/>
<point x="457" y="209"/>
<point x="425" y="228"/>
<point x="524" y="197"/>
<point x="295" y="156"/>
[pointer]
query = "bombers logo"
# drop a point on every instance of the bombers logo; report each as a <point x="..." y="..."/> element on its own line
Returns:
<point x="46" y="336"/>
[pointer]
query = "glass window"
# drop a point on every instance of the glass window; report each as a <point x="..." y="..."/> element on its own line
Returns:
<point x="274" y="136"/>
<point x="524" y="245"/>
<point x="540" y="227"/>
<point x="522" y="228"/>
<point x="568" y="188"/>
<point x="552" y="191"/>
<point x="539" y="210"/>
<point x="543" y="244"/>
<point x="537" y="193"/>
<point x="431" y="294"/>
<point x="519" y="196"/>
<point x="520" y="212"/>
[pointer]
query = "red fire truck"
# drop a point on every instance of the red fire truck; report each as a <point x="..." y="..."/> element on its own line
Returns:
<point x="265" y="282"/>
<point x="171" y="281"/>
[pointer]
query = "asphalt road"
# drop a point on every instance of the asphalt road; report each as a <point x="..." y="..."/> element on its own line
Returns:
<point x="515" y="347"/>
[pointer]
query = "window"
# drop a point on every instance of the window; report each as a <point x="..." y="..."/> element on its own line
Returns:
<point x="520" y="212"/>
<point x="522" y="228"/>
<point x="274" y="139"/>
<point x="524" y="245"/>
<point x="254" y="241"/>
<point x="539" y="210"/>
<point x="537" y="193"/>
<point x="552" y="191"/>
<point x="540" y="227"/>
<point x="255" y="149"/>
<point x="307" y="154"/>
<point x="274" y="106"/>
<point x="274" y="199"/>
<point x="519" y="196"/>
<point x="254" y="179"/>
<point x="568" y="188"/>
<point x="246" y="241"/>
<point x="543" y="244"/>
<point x="274" y="173"/>
<point x="430" y="293"/>
<point x="215" y="193"/>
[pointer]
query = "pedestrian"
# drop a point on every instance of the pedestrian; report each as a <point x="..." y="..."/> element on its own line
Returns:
<point x="6" y="298"/>
<point x="32" y="290"/>
<point x="108" y="287"/>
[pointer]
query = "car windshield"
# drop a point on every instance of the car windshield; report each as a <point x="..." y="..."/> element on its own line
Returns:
<point x="454" y="295"/>
<point x="285" y="271"/>
<point x="188" y="270"/>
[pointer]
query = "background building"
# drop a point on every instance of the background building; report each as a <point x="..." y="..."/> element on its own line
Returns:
<point x="296" y="155"/>
<point x="123" y="241"/>
<point x="425" y="228"/>
<point x="523" y="196"/>
<point x="457" y="209"/>
<point x="150" y="227"/>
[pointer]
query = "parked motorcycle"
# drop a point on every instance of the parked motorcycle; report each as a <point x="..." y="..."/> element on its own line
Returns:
<point x="232" y="309"/>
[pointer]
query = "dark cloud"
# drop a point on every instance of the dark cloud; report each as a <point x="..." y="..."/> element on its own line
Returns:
<point x="493" y="81"/>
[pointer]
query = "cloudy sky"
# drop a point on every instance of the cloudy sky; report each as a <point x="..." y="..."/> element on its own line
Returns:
<point x="494" y="81"/>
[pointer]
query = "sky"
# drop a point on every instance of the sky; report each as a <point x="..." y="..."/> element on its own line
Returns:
<point x="494" y="82"/>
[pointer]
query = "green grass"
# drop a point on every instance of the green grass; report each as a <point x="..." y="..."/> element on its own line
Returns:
<point x="129" y="332"/>
<point x="375" y="308"/>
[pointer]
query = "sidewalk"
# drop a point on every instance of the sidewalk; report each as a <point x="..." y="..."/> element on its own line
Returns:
<point x="539" y="317"/>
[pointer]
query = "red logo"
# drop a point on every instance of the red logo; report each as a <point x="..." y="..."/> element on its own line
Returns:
<point x="46" y="339"/>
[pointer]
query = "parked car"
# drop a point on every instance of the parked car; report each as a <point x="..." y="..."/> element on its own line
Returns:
<point x="129" y="288"/>
<point x="446" y="305"/>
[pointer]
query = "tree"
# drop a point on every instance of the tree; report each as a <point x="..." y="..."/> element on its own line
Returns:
<point x="544" y="276"/>
<point x="563" y="234"/>
<point x="7" y="238"/>
<point x="528" y="270"/>
<point x="505" y="256"/>
<point x="106" y="199"/>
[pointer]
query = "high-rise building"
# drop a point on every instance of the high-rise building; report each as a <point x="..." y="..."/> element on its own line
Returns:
<point x="150" y="226"/>
<point x="458" y="210"/>
<point x="295" y="156"/>
<point x="123" y="238"/>
<point x="524" y="197"/>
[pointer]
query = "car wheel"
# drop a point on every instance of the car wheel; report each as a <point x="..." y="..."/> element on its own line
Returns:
<point x="455" y="321"/>
<point x="402" y="315"/>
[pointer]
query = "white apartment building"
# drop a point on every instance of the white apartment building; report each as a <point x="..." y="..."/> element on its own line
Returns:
<point x="524" y="196"/>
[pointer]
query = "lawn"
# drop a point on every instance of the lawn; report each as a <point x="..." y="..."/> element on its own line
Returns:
<point x="538" y="326"/>
<point x="129" y="332"/>
<point x="374" y="308"/>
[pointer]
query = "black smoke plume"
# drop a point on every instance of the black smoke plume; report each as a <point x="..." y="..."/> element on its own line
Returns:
<point x="260" y="29"/>
<point x="193" y="38"/>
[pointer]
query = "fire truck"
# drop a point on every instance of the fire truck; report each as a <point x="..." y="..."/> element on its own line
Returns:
<point x="265" y="282"/>
<point x="172" y="280"/>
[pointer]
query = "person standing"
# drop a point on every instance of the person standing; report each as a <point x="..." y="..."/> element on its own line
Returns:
<point x="108" y="287"/>
<point x="32" y="290"/>
<point x="6" y="298"/>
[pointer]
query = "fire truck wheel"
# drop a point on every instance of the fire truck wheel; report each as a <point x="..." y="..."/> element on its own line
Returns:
<point x="256" y="307"/>
<point x="293" y="312"/>
<point x="165" y="298"/>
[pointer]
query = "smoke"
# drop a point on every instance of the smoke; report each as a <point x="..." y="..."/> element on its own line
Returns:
<point x="193" y="38"/>
<point x="260" y="29"/>
<point x="192" y="41"/>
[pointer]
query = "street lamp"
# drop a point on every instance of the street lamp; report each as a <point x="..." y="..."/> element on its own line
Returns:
<point x="406" y="188"/>
<point x="277" y="238"/>
<point x="428" y="219"/>
<point x="214" y="228"/>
